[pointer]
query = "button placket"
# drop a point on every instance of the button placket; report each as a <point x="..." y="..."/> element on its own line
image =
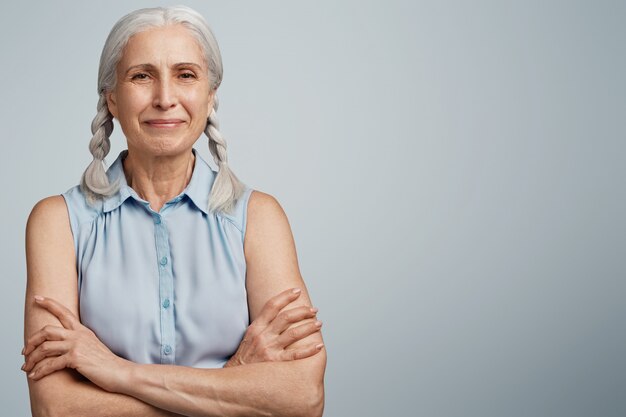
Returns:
<point x="166" y="291"/>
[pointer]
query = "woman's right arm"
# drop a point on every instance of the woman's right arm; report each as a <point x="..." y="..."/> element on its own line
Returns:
<point x="51" y="271"/>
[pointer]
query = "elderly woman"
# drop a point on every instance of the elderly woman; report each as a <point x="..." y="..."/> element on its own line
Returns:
<point x="161" y="287"/>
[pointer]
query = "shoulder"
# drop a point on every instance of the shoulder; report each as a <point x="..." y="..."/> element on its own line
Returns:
<point x="49" y="224"/>
<point x="49" y="242"/>
<point x="261" y="203"/>
<point x="49" y="213"/>
<point x="265" y="212"/>
<point x="267" y="225"/>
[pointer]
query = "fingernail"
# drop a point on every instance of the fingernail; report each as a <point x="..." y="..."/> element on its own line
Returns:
<point x="23" y="350"/>
<point x="314" y="310"/>
<point x="23" y="366"/>
<point x="38" y="298"/>
<point x="296" y="290"/>
<point x="318" y="324"/>
<point x="32" y="374"/>
<point x="318" y="347"/>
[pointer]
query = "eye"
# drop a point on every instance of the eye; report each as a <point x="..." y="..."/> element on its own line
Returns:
<point x="187" y="75"/>
<point x="139" y="76"/>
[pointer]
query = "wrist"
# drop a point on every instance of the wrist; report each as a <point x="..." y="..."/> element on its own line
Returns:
<point x="125" y="376"/>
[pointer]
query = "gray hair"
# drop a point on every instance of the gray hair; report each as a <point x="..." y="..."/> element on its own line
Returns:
<point x="95" y="184"/>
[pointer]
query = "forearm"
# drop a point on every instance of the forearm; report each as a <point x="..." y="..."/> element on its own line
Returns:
<point x="259" y="389"/>
<point x="65" y="393"/>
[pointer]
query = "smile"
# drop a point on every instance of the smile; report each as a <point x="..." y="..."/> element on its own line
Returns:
<point x="165" y="123"/>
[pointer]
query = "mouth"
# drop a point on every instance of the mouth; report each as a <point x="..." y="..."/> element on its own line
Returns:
<point x="164" y="123"/>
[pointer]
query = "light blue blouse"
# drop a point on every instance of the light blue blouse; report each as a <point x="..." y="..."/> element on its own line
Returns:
<point x="163" y="287"/>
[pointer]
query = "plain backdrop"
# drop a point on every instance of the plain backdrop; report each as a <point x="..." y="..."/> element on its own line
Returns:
<point x="453" y="173"/>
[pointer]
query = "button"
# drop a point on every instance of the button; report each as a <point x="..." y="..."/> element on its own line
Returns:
<point x="164" y="260"/>
<point x="167" y="349"/>
<point x="157" y="219"/>
<point x="166" y="303"/>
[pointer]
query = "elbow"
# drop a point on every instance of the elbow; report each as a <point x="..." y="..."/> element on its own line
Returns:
<point x="316" y="402"/>
<point x="50" y="409"/>
<point x="306" y="388"/>
<point x="312" y="400"/>
<point x="40" y="409"/>
<point x="305" y="403"/>
<point x="45" y="403"/>
<point x="314" y="395"/>
<point x="40" y="405"/>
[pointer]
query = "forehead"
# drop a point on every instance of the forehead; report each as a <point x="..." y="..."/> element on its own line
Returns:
<point x="170" y="44"/>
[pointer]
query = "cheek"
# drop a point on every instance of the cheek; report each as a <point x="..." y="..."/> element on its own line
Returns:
<point x="198" y="99"/>
<point x="200" y="102"/>
<point x="130" y="104"/>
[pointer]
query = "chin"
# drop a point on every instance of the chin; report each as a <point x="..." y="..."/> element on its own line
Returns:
<point x="164" y="144"/>
<point x="164" y="148"/>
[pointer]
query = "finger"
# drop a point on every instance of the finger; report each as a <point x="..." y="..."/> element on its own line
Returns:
<point x="294" y="334"/>
<point x="65" y="316"/>
<point x="48" y="366"/>
<point x="301" y="353"/>
<point x="288" y="317"/>
<point x="273" y="306"/>
<point x="45" y="350"/>
<point x="48" y="332"/>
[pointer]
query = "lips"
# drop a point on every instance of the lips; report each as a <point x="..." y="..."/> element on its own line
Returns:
<point x="164" y="123"/>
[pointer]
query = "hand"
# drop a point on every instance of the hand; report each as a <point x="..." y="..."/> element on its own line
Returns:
<point x="72" y="346"/>
<point x="267" y="337"/>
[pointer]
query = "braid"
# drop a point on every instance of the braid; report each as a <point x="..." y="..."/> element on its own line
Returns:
<point x="227" y="188"/>
<point x="94" y="182"/>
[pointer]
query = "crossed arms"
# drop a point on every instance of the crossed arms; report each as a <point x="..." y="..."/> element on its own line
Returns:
<point x="289" y="388"/>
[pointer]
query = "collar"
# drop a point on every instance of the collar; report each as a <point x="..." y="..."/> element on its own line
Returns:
<point x="197" y="190"/>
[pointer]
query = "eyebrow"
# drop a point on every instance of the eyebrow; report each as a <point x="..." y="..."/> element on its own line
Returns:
<point x="152" y="67"/>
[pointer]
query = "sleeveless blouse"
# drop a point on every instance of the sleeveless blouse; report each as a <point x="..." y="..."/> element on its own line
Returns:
<point x="163" y="287"/>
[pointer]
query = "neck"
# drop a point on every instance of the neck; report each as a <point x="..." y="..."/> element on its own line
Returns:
<point x="158" y="179"/>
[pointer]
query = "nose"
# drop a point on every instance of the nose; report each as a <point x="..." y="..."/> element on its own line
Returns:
<point x="164" y="95"/>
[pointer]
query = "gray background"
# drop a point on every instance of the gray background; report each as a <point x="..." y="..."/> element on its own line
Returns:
<point x="453" y="173"/>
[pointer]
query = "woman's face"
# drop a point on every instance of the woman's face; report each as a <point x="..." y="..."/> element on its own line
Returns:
<point x="162" y="98"/>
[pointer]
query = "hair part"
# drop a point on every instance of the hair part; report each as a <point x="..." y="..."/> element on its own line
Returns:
<point x="227" y="188"/>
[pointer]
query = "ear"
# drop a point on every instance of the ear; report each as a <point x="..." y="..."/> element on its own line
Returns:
<point x="111" y="103"/>
<point x="211" y="102"/>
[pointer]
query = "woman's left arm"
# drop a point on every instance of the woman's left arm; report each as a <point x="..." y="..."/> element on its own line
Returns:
<point x="280" y="388"/>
